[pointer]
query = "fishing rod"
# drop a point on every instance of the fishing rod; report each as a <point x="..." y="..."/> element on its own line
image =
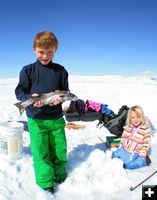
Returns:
<point x="134" y="187"/>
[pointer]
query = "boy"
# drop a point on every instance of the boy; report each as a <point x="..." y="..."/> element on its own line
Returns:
<point x="45" y="122"/>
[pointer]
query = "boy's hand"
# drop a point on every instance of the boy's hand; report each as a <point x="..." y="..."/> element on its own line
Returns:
<point x="56" y="101"/>
<point x="37" y="104"/>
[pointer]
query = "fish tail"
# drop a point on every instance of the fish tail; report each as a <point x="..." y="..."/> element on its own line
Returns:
<point x="20" y="107"/>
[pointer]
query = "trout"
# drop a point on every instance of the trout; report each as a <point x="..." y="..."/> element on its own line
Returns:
<point x="46" y="99"/>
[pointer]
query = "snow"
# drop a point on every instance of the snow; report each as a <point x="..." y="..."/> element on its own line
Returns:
<point x="92" y="174"/>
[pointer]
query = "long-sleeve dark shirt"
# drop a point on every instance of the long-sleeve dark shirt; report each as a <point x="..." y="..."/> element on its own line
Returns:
<point x="38" y="78"/>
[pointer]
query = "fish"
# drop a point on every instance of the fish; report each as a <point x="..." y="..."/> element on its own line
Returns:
<point x="46" y="99"/>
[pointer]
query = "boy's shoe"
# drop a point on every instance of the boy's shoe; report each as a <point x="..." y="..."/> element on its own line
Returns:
<point x="50" y="189"/>
<point x="60" y="181"/>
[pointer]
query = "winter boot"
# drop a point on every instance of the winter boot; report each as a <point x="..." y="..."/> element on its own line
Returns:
<point x="148" y="160"/>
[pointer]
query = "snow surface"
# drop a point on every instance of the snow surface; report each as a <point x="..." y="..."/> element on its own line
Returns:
<point x="92" y="174"/>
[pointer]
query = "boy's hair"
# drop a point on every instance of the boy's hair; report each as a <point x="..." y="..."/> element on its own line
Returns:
<point x="45" y="39"/>
<point x="139" y="112"/>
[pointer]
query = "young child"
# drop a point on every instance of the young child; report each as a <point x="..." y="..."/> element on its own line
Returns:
<point x="135" y="141"/>
<point x="45" y="122"/>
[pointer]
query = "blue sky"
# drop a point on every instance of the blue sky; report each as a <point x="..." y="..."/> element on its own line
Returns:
<point x="96" y="37"/>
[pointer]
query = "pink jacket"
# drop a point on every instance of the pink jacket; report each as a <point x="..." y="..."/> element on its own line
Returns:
<point x="92" y="105"/>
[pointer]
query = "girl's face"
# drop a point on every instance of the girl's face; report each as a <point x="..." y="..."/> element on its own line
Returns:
<point x="45" y="55"/>
<point x="135" y="119"/>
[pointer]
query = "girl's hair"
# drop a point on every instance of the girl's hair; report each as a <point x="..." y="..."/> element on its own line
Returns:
<point x="45" y="39"/>
<point x="139" y="112"/>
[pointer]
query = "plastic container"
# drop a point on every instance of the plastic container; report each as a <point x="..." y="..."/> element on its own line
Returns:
<point x="11" y="139"/>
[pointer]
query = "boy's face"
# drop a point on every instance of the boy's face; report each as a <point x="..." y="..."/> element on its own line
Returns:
<point x="45" y="55"/>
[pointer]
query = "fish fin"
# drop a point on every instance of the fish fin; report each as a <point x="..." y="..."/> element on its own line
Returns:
<point x="20" y="107"/>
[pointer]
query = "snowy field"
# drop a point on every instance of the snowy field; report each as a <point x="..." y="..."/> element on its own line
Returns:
<point x="92" y="174"/>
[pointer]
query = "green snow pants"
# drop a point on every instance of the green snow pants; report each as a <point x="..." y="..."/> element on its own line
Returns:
<point x="49" y="149"/>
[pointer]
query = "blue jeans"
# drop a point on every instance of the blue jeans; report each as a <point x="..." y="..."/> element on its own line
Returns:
<point x="131" y="160"/>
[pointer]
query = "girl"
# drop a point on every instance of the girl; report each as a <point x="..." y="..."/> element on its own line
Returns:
<point x="135" y="141"/>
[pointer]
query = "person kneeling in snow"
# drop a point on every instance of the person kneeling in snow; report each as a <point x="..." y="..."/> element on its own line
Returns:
<point x="135" y="141"/>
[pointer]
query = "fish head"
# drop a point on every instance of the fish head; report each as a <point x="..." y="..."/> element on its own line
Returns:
<point x="68" y="96"/>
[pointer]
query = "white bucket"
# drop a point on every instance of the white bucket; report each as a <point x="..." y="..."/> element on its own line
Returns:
<point x="11" y="139"/>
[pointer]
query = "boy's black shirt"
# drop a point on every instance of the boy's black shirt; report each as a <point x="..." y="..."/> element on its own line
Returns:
<point x="38" y="78"/>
